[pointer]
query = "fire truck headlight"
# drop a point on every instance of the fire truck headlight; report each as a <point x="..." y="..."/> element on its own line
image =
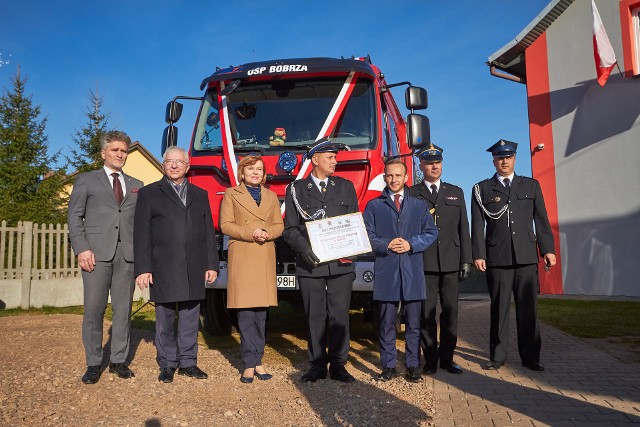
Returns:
<point x="287" y="161"/>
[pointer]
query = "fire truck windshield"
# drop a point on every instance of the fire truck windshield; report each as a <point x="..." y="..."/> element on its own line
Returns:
<point x="288" y="114"/>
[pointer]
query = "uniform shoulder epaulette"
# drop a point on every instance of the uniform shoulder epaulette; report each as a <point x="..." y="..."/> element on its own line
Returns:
<point x="338" y="178"/>
<point x="448" y="184"/>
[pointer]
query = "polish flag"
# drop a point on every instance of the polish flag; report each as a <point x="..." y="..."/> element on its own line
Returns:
<point x="602" y="50"/>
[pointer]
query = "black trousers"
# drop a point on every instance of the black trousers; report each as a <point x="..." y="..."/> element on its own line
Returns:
<point x="442" y="286"/>
<point x="251" y="325"/>
<point x="522" y="282"/>
<point x="183" y="352"/>
<point x="326" y="303"/>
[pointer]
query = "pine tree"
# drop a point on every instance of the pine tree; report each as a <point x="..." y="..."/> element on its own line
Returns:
<point x="87" y="156"/>
<point x="29" y="189"/>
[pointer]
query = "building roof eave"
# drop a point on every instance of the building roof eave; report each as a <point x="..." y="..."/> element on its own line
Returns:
<point x="510" y="57"/>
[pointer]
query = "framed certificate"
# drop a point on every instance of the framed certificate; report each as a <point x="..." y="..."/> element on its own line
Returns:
<point x="338" y="237"/>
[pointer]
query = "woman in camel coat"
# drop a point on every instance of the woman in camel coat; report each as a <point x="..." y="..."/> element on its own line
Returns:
<point x="250" y="216"/>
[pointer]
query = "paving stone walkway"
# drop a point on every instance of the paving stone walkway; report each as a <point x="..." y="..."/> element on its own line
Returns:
<point x="581" y="386"/>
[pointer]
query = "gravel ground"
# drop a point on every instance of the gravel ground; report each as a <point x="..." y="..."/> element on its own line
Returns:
<point x="42" y="361"/>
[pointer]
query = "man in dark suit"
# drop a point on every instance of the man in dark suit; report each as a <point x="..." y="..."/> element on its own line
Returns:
<point x="100" y="219"/>
<point x="175" y="248"/>
<point x="445" y="263"/>
<point x="509" y="205"/>
<point x="325" y="288"/>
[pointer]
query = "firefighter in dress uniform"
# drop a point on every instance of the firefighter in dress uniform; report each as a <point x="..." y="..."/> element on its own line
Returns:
<point x="325" y="287"/>
<point x="508" y="205"/>
<point x="446" y="262"/>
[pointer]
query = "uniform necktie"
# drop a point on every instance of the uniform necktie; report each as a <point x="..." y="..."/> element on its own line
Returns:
<point x="396" y="201"/>
<point x="323" y="187"/>
<point x="507" y="184"/>
<point x="117" y="188"/>
<point x="434" y="190"/>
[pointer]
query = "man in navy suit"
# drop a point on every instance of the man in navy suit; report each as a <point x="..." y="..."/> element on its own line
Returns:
<point x="100" y="218"/>
<point x="400" y="227"/>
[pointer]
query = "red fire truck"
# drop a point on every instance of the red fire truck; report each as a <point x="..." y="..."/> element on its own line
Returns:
<point x="277" y="109"/>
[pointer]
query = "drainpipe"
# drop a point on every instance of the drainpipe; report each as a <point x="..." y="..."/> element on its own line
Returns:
<point x="494" y="72"/>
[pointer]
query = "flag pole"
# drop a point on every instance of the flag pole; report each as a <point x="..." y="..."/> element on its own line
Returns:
<point x="619" y="70"/>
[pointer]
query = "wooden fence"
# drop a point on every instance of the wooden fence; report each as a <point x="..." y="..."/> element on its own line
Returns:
<point x="31" y="252"/>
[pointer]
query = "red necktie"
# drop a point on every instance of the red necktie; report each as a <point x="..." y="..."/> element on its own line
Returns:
<point x="117" y="188"/>
<point x="396" y="200"/>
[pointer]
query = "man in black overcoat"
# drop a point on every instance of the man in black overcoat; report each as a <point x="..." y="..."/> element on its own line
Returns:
<point x="445" y="263"/>
<point x="325" y="288"/>
<point x="508" y="206"/>
<point x="175" y="243"/>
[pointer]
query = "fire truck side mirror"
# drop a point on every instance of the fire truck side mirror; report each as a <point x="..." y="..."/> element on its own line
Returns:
<point x="418" y="131"/>
<point x="169" y="137"/>
<point x="173" y="112"/>
<point x="416" y="98"/>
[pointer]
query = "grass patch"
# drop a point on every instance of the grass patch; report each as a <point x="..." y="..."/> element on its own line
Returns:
<point x="591" y="318"/>
<point x="143" y="319"/>
<point x="44" y="310"/>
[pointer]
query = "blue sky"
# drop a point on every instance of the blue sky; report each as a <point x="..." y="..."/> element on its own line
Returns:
<point x="141" y="53"/>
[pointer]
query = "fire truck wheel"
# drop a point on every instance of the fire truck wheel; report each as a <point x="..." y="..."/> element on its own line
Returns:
<point x="215" y="317"/>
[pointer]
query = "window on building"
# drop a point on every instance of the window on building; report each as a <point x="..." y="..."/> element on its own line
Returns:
<point x="630" y="32"/>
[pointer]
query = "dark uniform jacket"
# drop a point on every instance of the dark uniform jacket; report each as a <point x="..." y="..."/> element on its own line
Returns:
<point x="510" y="240"/>
<point x="453" y="246"/>
<point x="174" y="242"/>
<point x="339" y="199"/>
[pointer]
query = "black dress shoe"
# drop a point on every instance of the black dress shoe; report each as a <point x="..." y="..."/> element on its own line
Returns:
<point x="246" y="380"/>
<point x="193" y="372"/>
<point x="263" y="377"/>
<point x="387" y="374"/>
<point x="315" y="373"/>
<point x="121" y="370"/>
<point x="451" y="367"/>
<point x="166" y="375"/>
<point x="534" y="366"/>
<point x="493" y="365"/>
<point x="92" y="375"/>
<point x="341" y="374"/>
<point x="413" y="375"/>
<point x="430" y="368"/>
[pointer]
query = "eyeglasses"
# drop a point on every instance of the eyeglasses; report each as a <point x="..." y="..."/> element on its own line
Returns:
<point x="170" y="162"/>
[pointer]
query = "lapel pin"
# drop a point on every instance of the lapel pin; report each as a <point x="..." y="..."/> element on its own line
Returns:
<point x="497" y="199"/>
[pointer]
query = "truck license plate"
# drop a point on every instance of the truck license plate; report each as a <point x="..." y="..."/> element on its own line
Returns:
<point x="286" y="281"/>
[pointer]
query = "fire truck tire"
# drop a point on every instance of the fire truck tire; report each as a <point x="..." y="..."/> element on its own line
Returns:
<point x="215" y="317"/>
